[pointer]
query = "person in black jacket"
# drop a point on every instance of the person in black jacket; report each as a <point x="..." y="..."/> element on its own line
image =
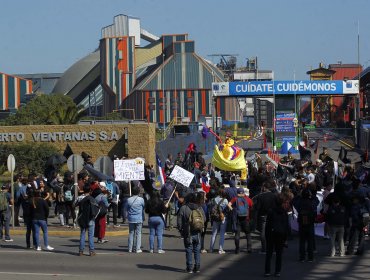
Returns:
<point x="336" y="218"/>
<point x="39" y="213"/>
<point x="191" y="237"/>
<point x="263" y="202"/>
<point x="277" y="229"/>
<point x="306" y="220"/>
<point x="88" y="210"/>
<point x="155" y="207"/>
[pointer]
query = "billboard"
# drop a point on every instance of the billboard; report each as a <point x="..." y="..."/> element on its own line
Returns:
<point x="268" y="88"/>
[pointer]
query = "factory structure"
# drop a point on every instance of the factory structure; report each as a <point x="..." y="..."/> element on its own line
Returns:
<point x="158" y="79"/>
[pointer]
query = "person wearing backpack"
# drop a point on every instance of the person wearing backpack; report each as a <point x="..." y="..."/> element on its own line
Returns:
<point x="5" y="212"/>
<point x="241" y="207"/>
<point x="113" y="194"/>
<point x="88" y="209"/>
<point x="218" y="206"/>
<point x="100" y="221"/>
<point x="69" y="197"/>
<point x="190" y="223"/>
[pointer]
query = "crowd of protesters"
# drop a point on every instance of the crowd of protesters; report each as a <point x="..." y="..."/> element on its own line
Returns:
<point x="216" y="201"/>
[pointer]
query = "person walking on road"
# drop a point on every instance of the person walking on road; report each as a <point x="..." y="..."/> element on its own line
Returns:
<point x="40" y="213"/>
<point x="277" y="229"/>
<point x="241" y="207"/>
<point x="5" y="212"/>
<point x="190" y="222"/>
<point x="88" y="210"/>
<point x="155" y="207"/>
<point x="135" y="217"/>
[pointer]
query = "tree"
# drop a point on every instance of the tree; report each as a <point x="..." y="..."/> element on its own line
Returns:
<point x="47" y="109"/>
<point x="28" y="157"/>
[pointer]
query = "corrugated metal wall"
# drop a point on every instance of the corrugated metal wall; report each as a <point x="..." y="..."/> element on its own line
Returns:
<point x="182" y="71"/>
<point x="179" y="103"/>
<point x="118" y="66"/>
<point x="12" y="91"/>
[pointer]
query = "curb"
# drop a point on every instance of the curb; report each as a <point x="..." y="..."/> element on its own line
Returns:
<point x="71" y="233"/>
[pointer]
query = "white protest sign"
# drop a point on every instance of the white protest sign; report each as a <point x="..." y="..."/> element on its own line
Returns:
<point x="129" y="169"/>
<point x="182" y="176"/>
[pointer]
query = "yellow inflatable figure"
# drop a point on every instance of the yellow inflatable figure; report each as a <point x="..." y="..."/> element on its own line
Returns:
<point x="228" y="157"/>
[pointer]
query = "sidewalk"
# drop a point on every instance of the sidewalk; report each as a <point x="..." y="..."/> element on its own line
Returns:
<point x="55" y="229"/>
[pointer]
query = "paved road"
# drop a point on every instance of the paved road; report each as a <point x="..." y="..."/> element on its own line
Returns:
<point x="114" y="262"/>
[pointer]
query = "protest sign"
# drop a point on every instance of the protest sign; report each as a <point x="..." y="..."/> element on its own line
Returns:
<point x="129" y="169"/>
<point x="182" y="176"/>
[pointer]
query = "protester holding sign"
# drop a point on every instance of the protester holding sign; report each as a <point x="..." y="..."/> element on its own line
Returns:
<point x="135" y="216"/>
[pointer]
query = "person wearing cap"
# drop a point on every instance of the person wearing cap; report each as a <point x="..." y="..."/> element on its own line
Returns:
<point x="241" y="207"/>
<point x="5" y="212"/>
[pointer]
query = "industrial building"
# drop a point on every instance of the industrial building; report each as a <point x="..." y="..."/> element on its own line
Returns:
<point x="156" y="82"/>
<point x="13" y="91"/>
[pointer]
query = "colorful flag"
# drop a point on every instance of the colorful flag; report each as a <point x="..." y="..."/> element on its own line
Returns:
<point x="162" y="175"/>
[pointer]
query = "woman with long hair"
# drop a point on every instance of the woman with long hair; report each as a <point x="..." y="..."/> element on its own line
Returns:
<point x="39" y="210"/>
<point x="155" y="207"/>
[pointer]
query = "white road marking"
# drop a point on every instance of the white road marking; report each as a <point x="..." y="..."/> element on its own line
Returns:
<point x="37" y="274"/>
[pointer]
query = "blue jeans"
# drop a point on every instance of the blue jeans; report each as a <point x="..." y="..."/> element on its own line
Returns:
<point x="90" y="234"/>
<point x="36" y="231"/>
<point x="192" y="245"/>
<point x="5" y="217"/>
<point x="156" y="227"/>
<point x="134" y="236"/>
<point x="218" y="227"/>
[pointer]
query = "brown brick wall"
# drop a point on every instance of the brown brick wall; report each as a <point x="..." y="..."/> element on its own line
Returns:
<point x="141" y="139"/>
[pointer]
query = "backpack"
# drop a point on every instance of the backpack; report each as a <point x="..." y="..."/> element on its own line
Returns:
<point x="109" y="187"/>
<point x="216" y="213"/>
<point x="196" y="220"/>
<point x="68" y="196"/>
<point x="103" y="210"/>
<point x="88" y="210"/>
<point x="242" y="207"/>
<point x="3" y="201"/>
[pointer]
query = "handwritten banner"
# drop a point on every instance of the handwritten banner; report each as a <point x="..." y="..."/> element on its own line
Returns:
<point x="129" y="170"/>
<point x="182" y="176"/>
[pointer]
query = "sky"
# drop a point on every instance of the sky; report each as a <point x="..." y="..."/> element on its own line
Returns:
<point x="289" y="37"/>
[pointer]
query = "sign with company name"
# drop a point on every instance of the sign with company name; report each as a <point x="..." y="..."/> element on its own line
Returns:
<point x="59" y="136"/>
<point x="268" y="88"/>
<point x="129" y="169"/>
